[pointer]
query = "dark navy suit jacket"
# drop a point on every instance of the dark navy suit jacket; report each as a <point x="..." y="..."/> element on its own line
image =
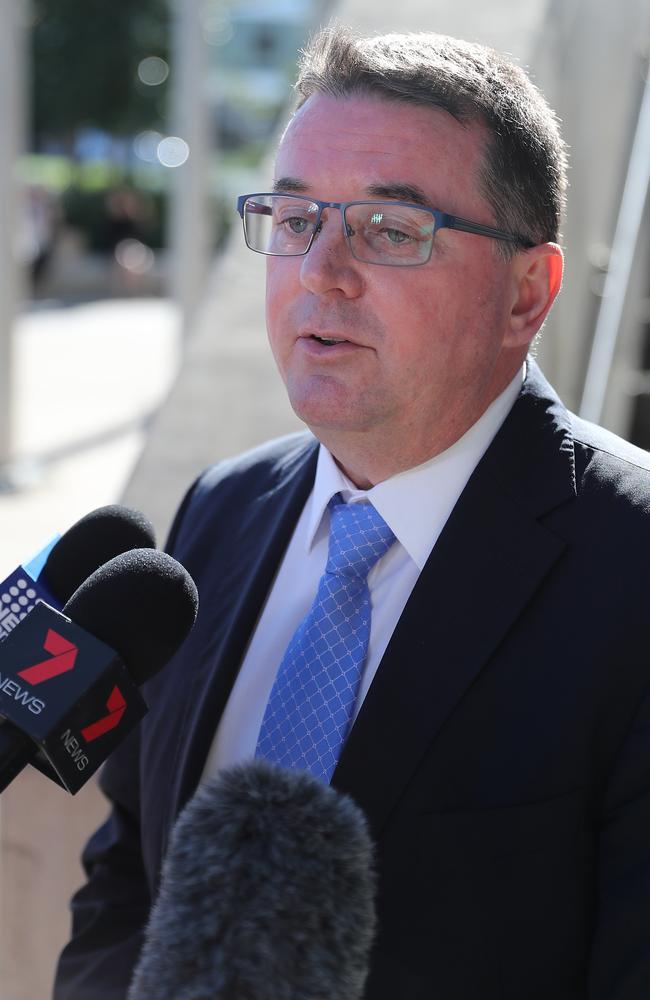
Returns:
<point x="502" y="755"/>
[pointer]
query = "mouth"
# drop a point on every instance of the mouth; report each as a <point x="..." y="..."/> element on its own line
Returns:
<point x="333" y="345"/>
<point x="328" y="341"/>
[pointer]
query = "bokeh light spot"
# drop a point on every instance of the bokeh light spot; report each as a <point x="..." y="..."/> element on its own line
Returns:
<point x="134" y="256"/>
<point x="153" y="71"/>
<point x="173" y="151"/>
<point x="145" y="146"/>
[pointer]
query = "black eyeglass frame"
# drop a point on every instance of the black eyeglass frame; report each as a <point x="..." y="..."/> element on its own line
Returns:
<point x="442" y="220"/>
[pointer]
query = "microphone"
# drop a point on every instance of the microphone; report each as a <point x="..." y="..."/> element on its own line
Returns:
<point x="267" y="893"/>
<point x="134" y="611"/>
<point x="93" y="540"/>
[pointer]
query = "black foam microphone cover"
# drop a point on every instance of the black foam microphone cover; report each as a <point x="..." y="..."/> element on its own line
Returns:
<point x="142" y="604"/>
<point x="267" y="893"/>
<point x="99" y="536"/>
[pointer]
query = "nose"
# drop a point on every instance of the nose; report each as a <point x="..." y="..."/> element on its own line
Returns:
<point x="329" y="265"/>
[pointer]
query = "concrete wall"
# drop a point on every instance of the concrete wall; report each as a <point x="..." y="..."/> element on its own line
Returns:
<point x="590" y="62"/>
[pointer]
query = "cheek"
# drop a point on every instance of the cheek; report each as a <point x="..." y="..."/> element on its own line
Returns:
<point x="437" y="328"/>
<point x="463" y="305"/>
<point x="421" y="320"/>
<point x="272" y="285"/>
<point x="282" y="281"/>
<point x="278" y="296"/>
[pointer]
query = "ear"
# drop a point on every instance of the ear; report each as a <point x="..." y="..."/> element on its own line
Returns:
<point x="537" y="277"/>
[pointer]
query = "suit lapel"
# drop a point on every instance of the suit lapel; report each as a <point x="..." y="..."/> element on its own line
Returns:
<point x="264" y="529"/>
<point x="485" y="568"/>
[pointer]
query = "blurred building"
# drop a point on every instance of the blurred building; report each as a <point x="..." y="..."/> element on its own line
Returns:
<point x="591" y="59"/>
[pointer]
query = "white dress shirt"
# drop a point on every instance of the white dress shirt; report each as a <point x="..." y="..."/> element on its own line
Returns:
<point x="416" y="505"/>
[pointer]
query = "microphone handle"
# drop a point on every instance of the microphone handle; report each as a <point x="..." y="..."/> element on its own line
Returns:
<point x="16" y="751"/>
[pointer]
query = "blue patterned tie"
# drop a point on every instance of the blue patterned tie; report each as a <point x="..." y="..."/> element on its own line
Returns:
<point x="310" y="707"/>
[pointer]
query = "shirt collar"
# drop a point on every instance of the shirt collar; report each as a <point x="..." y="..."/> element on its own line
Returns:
<point x="416" y="503"/>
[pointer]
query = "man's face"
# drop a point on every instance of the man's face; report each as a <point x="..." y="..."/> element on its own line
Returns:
<point x="420" y="350"/>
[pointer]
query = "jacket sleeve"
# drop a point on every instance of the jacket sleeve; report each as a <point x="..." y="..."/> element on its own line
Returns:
<point x="110" y="911"/>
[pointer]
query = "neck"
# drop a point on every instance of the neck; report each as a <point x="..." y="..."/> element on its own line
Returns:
<point x="367" y="462"/>
<point x="372" y="455"/>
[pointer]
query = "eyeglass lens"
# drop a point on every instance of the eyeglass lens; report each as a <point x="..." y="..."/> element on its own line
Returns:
<point x="378" y="233"/>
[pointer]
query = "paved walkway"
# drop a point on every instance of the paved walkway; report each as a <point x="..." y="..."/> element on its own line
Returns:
<point x="88" y="378"/>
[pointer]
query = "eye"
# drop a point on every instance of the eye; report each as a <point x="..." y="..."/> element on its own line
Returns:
<point x="396" y="236"/>
<point x="392" y="226"/>
<point x="296" y="224"/>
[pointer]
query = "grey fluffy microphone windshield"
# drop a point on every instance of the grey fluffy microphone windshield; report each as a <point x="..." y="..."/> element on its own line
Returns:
<point x="267" y="893"/>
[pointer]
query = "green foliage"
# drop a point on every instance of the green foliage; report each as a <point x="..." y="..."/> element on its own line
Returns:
<point x="87" y="210"/>
<point x="85" y="55"/>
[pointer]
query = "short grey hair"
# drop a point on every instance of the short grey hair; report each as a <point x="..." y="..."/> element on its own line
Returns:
<point x="523" y="176"/>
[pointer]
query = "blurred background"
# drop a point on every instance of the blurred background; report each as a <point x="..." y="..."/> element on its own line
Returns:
<point x="132" y="342"/>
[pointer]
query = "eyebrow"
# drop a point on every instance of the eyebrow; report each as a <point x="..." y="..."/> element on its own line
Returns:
<point x="291" y="185"/>
<point x="391" y="191"/>
<point x="399" y="192"/>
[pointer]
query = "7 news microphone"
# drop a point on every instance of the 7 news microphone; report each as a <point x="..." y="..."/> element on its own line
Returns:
<point x="267" y="893"/>
<point x="53" y="576"/>
<point x="69" y="680"/>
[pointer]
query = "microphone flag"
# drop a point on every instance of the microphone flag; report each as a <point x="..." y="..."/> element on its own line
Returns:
<point x="22" y="589"/>
<point x="69" y="693"/>
<point x="69" y="685"/>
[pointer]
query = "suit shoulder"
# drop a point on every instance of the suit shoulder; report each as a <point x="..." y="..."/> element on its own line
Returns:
<point x="612" y="448"/>
<point x="223" y="491"/>
<point x="612" y="471"/>
<point x="263" y="464"/>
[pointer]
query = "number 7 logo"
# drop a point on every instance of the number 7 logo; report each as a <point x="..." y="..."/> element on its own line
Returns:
<point x="116" y="706"/>
<point x="63" y="655"/>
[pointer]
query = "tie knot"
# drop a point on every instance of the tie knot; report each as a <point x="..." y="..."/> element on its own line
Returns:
<point x="359" y="537"/>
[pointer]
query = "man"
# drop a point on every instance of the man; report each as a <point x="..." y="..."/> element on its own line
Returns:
<point x="497" y="732"/>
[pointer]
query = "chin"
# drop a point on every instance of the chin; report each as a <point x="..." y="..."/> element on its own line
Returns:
<point x="324" y="420"/>
<point x="320" y="422"/>
<point x="318" y="404"/>
<point x="325" y="404"/>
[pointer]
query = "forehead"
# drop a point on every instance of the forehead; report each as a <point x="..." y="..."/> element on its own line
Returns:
<point x="339" y="147"/>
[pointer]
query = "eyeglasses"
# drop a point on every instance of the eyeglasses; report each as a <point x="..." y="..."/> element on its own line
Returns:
<point x="392" y="233"/>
